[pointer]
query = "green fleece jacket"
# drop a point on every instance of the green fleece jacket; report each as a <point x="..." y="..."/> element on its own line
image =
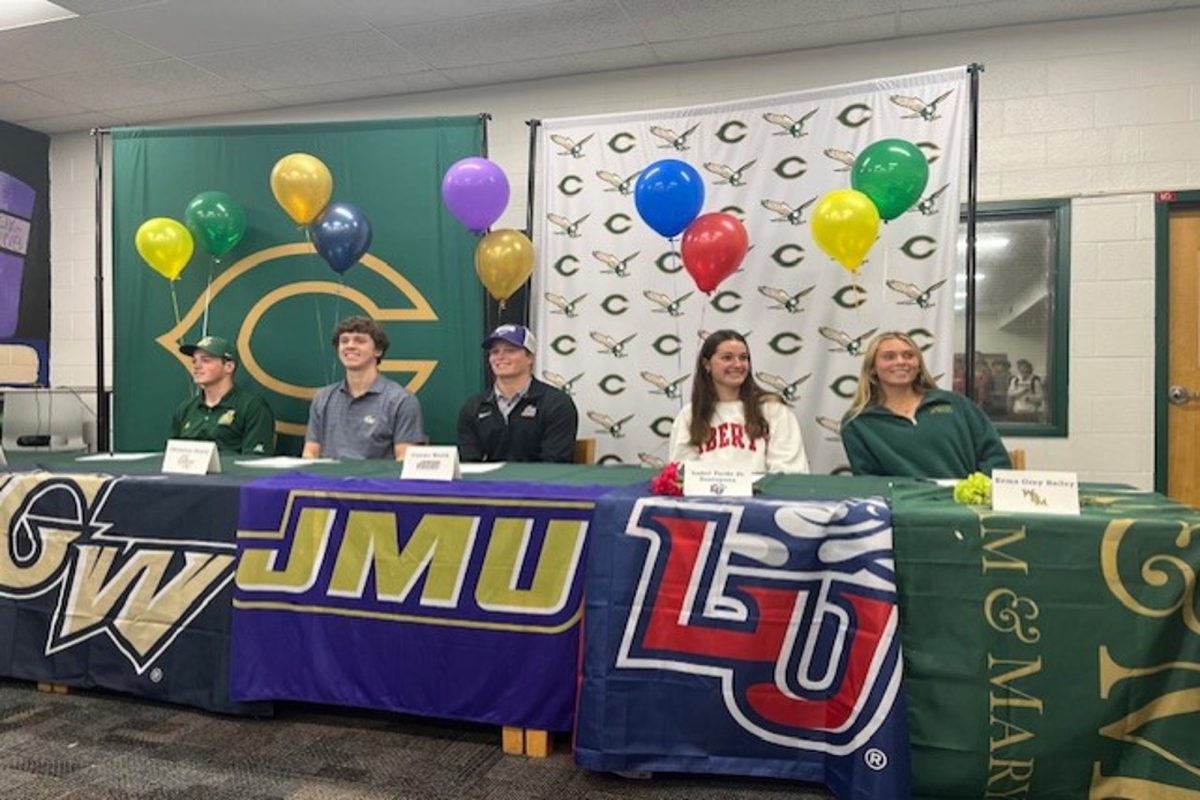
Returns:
<point x="950" y="437"/>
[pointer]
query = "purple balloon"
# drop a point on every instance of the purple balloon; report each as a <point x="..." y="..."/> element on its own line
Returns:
<point x="475" y="191"/>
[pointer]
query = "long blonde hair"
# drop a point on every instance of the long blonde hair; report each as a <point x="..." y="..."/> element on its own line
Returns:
<point x="869" y="392"/>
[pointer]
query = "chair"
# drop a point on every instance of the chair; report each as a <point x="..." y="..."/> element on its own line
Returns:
<point x="1017" y="457"/>
<point x="585" y="451"/>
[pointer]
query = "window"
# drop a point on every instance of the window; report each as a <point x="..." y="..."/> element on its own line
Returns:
<point x="1021" y="315"/>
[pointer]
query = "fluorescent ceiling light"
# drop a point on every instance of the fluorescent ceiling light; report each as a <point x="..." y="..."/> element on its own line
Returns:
<point x="23" y="13"/>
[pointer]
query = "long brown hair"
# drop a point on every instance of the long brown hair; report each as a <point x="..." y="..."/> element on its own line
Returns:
<point x="869" y="392"/>
<point x="704" y="393"/>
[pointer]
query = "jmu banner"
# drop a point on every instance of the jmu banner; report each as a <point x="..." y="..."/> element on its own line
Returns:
<point x="459" y="601"/>
<point x="750" y="638"/>
<point x="619" y="320"/>
<point x="272" y="295"/>
<point x="1051" y="656"/>
<point x="118" y="584"/>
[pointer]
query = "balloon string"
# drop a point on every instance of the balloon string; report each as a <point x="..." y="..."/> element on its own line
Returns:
<point x="857" y="294"/>
<point x="321" y="328"/>
<point x="175" y="304"/>
<point x="207" y="298"/>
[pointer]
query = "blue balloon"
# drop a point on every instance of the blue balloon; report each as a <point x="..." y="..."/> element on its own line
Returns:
<point x="342" y="235"/>
<point x="669" y="195"/>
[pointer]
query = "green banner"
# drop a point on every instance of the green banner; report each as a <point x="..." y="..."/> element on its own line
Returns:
<point x="272" y="294"/>
<point x="1051" y="656"/>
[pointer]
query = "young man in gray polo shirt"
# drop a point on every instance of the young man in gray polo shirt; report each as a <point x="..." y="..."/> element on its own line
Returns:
<point x="366" y="415"/>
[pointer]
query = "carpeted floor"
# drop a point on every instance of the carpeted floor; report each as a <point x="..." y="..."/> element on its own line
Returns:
<point x="94" y="746"/>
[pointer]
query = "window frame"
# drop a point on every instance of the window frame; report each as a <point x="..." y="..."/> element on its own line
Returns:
<point x="1058" y="383"/>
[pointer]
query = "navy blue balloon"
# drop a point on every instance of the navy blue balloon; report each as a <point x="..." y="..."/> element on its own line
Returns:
<point x="342" y="235"/>
<point x="669" y="195"/>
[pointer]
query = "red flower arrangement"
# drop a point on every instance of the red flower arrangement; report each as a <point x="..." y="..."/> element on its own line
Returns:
<point x="669" y="481"/>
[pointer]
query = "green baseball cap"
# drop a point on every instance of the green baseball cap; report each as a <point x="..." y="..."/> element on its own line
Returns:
<point x="214" y="345"/>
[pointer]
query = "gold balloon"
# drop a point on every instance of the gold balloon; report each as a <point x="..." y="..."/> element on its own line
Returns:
<point x="302" y="185"/>
<point x="504" y="261"/>
<point x="845" y="224"/>
<point x="165" y="244"/>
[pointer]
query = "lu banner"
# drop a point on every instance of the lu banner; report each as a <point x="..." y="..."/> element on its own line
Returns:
<point x="456" y="600"/>
<point x="752" y="638"/>
<point x="101" y="585"/>
<point x="619" y="321"/>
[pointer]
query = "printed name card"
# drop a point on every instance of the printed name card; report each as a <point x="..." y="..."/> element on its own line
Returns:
<point x="1033" y="492"/>
<point x="430" y="464"/>
<point x="707" y="481"/>
<point x="191" y="457"/>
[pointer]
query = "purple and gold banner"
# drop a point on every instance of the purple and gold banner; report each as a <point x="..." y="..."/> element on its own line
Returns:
<point x="458" y="600"/>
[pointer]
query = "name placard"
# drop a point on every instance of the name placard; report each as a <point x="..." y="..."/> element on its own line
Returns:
<point x="1033" y="492"/>
<point x="191" y="457"/>
<point x="427" y="463"/>
<point x="702" y="480"/>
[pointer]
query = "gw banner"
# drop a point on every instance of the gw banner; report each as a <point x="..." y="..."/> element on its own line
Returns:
<point x="272" y="295"/>
<point x="1051" y="656"/>
<point x="119" y="583"/>
<point x="750" y="638"/>
<point x="460" y="600"/>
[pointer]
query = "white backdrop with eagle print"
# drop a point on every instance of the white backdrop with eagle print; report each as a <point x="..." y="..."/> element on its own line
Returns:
<point x="618" y="319"/>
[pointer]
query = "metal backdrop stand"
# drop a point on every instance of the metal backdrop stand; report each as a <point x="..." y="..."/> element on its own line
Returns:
<point x="103" y="417"/>
<point x="974" y="71"/>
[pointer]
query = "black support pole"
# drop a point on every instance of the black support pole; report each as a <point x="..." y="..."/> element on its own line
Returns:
<point x="103" y="443"/>
<point x="974" y="71"/>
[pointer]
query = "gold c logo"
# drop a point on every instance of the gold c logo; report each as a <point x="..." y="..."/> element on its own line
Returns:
<point x="573" y="180"/>
<point x="564" y="345"/>
<point x="607" y="379"/>
<point x="622" y="142"/>
<point x="850" y="296"/>
<point x="667" y="344"/>
<point x="791" y="167"/>
<point x="609" y="304"/>
<point x="919" y="247"/>
<point x="783" y="260"/>
<point x="562" y="270"/>
<point x="662" y="427"/>
<point x="855" y="115"/>
<point x="725" y="132"/>
<point x="777" y="343"/>
<point x="719" y="303"/>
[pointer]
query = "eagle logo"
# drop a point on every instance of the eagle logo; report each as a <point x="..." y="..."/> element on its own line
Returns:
<point x="920" y="109"/>
<point x="830" y="424"/>
<point x="791" y="127"/>
<point x="616" y="266"/>
<point x="624" y="186"/>
<point x="669" y="388"/>
<point x="610" y="344"/>
<point x="571" y="229"/>
<point x="928" y="205"/>
<point x="671" y="307"/>
<point x="787" y="302"/>
<point x="569" y="146"/>
<point x="734" y="177"/>
<point x="788" y="391"/>
<point x="844" y="342"/>
<point x="674" y="140"/>
<point x="614" y="429"/>
<point x="844" y="157"/>
<point x="563" y="305"/>
<point x="567" y="387"/>
<point x="922" y="298"/>
<point x="785" y="213"/>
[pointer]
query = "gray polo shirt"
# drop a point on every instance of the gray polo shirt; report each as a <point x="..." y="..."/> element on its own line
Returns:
<point x="366" y="426"/>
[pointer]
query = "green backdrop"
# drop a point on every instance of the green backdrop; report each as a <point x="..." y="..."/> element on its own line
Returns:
<point x="275" y="297"/>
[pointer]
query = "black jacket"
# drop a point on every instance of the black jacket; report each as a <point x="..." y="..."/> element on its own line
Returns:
<point x="541" y="427"/>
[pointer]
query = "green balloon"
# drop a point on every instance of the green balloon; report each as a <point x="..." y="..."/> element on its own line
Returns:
<point x="216" y="221"/>
<point x="893" y="173"/>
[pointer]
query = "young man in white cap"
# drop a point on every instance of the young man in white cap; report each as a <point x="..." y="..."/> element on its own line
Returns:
<point x="519" y="418"/>
<point x="236" y="419"/>
<point x="365" y="415"/>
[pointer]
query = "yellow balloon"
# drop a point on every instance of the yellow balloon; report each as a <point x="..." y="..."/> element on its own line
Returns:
<point x="845" y="224"/>
<point x="165" y="244"/>
<point x="504" y="261"/>
<point x="302" y="185"/>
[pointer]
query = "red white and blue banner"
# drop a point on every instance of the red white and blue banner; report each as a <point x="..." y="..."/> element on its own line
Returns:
<point x="754" y="638"/>
<point x="456" y="600"/>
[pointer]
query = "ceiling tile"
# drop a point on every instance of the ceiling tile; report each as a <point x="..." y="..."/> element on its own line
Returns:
<point x="388" y="13"/>
<point x="350" y="90"/>
<point x="70" y="122"/>
<point x="555" y="67"/>
<point x="331" y="59"/>
<point x="20" y="104"/>
<point x="561" y="30"/>
<point x="779" y="40"/>
<point x="187" y="27"/>
<point x="163" y="81"/>
<point x="672" y="20"/>
<point x="192" y="107"/>
<point x="66" y="46"/>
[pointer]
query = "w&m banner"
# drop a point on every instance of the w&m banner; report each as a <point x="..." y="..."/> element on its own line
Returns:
<point x="273" y="295"/>
<point x="457" y="601"/>
<point x="1051" y="656"/>
<point x="620" y="322"/>
<point x="749" y="638"/>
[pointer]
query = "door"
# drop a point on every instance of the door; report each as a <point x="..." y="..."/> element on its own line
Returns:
<point x="1183" y="371"/>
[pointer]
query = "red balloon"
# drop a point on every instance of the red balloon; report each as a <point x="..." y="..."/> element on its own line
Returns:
<point x="713" y="248"/>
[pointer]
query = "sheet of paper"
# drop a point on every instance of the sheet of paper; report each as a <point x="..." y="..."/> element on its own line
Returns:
<point x="283" y="462"/>
<point x="117" y="456"/>
<point x="479" y="469"/>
